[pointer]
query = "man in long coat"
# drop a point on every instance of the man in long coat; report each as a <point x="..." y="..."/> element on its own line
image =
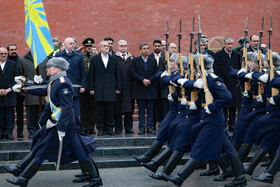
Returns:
<point x="226" y="60"/>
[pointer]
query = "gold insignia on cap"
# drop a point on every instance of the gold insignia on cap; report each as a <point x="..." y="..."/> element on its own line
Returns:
<point x="89" y="41"/>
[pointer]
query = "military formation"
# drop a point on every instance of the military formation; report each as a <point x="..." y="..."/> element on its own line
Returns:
<point x="195" y="122"/>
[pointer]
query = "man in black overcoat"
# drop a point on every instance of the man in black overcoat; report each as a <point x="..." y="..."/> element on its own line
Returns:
<point x="225" y="60"/>
<point x="144" y="88"/>
<point x="8" y="99"/>
<point x="104" y="84"/>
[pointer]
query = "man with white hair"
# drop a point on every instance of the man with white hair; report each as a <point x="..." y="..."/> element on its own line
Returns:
<point x="76" y="71"/>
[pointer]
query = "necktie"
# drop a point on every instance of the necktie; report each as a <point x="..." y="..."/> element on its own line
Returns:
<point x="123" y="58"/>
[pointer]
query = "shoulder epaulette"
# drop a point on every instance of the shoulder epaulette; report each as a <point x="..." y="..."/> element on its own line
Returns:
<point x="213" y="75"/>
<point x="62" y="80"/>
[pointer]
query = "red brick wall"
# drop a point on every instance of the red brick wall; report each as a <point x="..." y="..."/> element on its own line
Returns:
<point x="142" y="21"/>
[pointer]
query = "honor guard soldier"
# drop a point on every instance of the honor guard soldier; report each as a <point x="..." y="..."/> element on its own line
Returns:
<point x="60" y="132"/>
<point x="87" y="108"/>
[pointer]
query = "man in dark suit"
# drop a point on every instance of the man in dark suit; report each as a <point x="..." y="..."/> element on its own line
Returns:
<point x="144" y="88"/>
<point x="111" y="45"/>
<point x="104" y="84"/>
<point x="225" y="60"/>
<point x="254" y="44"/>
<point x="76" y="71"/>
<point x="8" y="99"/>
<point x="161" y="105"/>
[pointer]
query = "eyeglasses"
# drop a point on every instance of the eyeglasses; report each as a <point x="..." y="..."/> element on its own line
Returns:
<point x="202" y="45"/>
<point x="3" y="53"/>
<point x="13" y="49"/>
<point x="105" y="45"/>
<point x="88" y="45"/>
<point x="122" y="45"/>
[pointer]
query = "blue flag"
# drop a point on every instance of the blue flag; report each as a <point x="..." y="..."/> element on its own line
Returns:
<point x="37" y="31"/>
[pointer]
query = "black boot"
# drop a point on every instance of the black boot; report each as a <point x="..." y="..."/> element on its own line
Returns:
<point x="17" y="169"/>
<point x="158" y="161"/>
<point x="250" y="167"/>
<point x="213" y="169"/>
<point x="84" y="176"/>
<point x="238" y="171"/>
<point x="271" y="154"/>
<point x="150" y="153"/>
<point x="95" y="179"/>
<point x="268" y="175"/>
<point x="168" y="167"/>
<point x="29" y="171"/>
<point x="226" y="168"/>
<point x="244" y="150"/>
<point x="202" y="165"/>
<point x="183" y="174"/>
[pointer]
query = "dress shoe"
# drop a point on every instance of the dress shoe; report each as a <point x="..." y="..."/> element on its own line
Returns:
<point x="2" y="135"/>
<point x="129" y="131"/>
<point x="111" y="133"/>
<point x="141" y="132"/>
<point x="91" y="131"/>
<point x="20" y="135"/>
<point x="150" y="131"/>
<point x="118" y="131"/>
<point x="86" y="131"/>
<point x="30" y="136"/>
<point x="100" y="133"/>
<point x="9" y="137"/>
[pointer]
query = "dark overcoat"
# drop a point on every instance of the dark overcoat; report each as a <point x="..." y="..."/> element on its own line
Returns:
<point x="76" y="70"/>
<point x="104" y="81"/>
<point x="26" y="68"/>
<point x="139" y="73"/>
<point x="7" y="81"/>
<point x="223" y="64"/>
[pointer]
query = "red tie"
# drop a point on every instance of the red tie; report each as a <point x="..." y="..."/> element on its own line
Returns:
<point x="123" y="58"/>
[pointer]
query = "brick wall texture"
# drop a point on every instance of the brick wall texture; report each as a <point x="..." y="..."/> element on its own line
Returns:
<point x="142" y="20"/>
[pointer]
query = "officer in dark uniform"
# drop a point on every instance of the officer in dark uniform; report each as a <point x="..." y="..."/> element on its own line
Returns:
<point x="87" y="109"/>
<point x="58" y="123"/>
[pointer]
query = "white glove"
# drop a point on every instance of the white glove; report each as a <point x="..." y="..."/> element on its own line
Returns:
<point x="248" y="75"/>
<point x="207" y="110"/>
<point x="246" y="94"/>
<point x="241" y="71"/>
<point x="169" y="97"/>
<point x="272" y="101"/>
<point x="16" y="88"/>
<point x="165" y="73"/>
<point x="184" y="101"/>
<point x="260" y="99"/>
<point x="263" y="78"/>
<point x="60" y="135"/>
<point x="50" y="124"/>
<point x="172" y="83"/>
<point x="38" y="79"/>
<point x="182" y="81"/>
<point x="198" y="83"/>
<point x="192" y="106"/>
<point x="19" y="79"/>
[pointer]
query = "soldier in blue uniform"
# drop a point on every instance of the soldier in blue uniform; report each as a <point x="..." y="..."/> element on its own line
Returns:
<point x="209" y="135"/>
<point x="58" y="123"/>
<point x="267" y="136"/>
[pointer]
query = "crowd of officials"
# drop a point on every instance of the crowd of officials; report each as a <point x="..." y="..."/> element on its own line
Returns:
<point x="107" y="84"/>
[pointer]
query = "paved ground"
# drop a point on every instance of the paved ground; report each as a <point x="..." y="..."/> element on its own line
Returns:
<point x="127" y="177"/>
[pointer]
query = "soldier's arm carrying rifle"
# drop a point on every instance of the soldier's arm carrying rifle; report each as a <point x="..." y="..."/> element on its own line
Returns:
<point x="191" y="74"/>
<point x="244" y="58"/>
<point x="208" y="96"/>
<point x="170" y="87"/>
<point x="274" y="91"/>
<point x="180" y="59"/>
<point x="261" y="85"/>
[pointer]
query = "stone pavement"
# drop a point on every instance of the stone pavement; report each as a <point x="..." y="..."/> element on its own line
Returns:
<point x="128" y="177"/>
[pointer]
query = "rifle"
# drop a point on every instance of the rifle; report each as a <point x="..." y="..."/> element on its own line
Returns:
<point x="193" y="92"/>
<point x="180" y="58"/>
<point x="247" y="86"/>
<point x="274" y="91"/>
<point x="261" y="85"/>
<point x="170" y="87"/>
<point x="208" y="96"/>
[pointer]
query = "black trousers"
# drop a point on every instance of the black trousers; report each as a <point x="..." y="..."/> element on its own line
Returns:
<point x="128" y="120"/>
<point x="33" y="114"/>
<point x="19" y="110"/>
<point x="105" y="112"/>
<point x="7" y="119"/>
<point x="230" y="116"/>
<point x="87" y="111"/>
<point x="161" y="109"/>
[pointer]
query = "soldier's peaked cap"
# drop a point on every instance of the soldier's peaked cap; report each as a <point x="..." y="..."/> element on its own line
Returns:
<point x="88" y="41"/>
